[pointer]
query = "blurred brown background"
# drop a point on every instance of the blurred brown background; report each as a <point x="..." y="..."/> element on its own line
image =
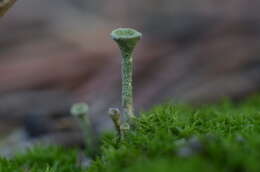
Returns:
<point x="54" y="53"/>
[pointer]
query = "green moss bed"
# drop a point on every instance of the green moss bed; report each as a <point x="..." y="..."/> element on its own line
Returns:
<point x="221" y="137"/>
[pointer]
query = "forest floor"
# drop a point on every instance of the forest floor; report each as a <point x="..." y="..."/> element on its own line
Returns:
<point x="219" y="137"/>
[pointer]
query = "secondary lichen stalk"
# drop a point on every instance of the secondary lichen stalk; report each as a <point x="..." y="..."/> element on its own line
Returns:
<point x="81" y="112"/>
<point x="115" y="115"/>
<point x="127" y="39"/>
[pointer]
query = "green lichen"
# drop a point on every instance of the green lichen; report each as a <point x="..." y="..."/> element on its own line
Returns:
<point x="115" y="115"/>
<point x="125" y="33"/>
<point x="127" y="39"/>
<point x="81" y="112"/>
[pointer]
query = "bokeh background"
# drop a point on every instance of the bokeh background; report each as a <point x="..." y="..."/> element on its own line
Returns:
<point x="55" y="53"/>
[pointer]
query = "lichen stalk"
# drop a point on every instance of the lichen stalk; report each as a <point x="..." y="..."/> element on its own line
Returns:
<point x="127" y="39"/>
<point x="127" y="85"/>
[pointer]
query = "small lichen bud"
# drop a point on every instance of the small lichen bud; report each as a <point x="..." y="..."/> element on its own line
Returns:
<point x="124" y="126"/>
<point x="114" y="113"/>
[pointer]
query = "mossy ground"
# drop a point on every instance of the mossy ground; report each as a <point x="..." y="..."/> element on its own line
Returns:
<point x="42" y="159"/>
<point x="222" y="137"/>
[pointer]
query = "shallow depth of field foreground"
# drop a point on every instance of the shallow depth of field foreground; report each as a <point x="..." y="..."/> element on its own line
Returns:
<point x="220" y="137"/>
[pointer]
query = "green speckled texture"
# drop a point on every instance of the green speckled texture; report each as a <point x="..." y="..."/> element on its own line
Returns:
<point x="127" y="40"/>
<point x="127" y="86"/>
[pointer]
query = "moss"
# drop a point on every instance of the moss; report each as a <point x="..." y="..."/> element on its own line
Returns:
<point x="223" y="137"/>
<point x="42" y="159"/>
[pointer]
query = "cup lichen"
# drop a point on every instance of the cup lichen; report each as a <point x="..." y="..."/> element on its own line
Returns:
<point x="81" y="112"/>
<point x="127" y="39"/>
